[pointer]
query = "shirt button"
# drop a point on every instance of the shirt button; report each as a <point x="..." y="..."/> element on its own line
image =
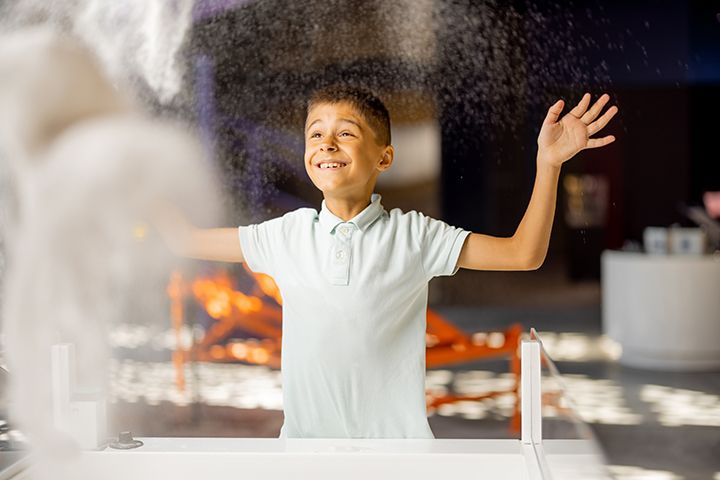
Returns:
<point x="340" y="255"/>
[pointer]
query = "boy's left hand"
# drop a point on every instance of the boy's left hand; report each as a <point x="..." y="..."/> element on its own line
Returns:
<point x="559" y="141"/>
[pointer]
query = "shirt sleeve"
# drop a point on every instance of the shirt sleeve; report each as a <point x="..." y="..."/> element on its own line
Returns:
<point x="260" y="244"/>
<point x="441" y="246"/>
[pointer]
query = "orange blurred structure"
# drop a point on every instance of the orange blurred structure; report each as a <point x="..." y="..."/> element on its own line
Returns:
<point x="177" y="315"/>
<point x="259" y="313"/>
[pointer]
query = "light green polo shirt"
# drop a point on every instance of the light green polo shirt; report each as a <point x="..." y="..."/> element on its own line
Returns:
<point x="354" y="315"/>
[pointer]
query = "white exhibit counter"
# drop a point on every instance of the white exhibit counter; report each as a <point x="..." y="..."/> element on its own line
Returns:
<point x="530" y="457"/>
<point x="349" y="459"/>
<point x="664" y="310"/>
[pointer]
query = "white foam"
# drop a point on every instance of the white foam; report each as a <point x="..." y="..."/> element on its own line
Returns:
<point x="135" y="39"/>
<point x="86" y="168"/>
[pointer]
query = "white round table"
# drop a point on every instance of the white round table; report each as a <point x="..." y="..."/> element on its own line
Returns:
<point x="664" y="310"/>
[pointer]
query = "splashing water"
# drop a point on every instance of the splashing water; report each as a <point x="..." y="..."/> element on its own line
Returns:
<point x="88" y="172"/>
<point x="134" y="39"/>
<point x="486" y="69"/>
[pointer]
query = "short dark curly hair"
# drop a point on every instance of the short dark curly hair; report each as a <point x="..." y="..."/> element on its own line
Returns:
<point x="367" y="103"/>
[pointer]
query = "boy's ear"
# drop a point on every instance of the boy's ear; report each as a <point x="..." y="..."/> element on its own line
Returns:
<point x="386" y="158"/>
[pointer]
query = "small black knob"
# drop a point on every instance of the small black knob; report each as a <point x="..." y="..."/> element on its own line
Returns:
<point x="125" y="441"/>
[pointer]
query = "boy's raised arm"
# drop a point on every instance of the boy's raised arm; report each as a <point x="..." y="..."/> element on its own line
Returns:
<point x="185" y="240"/>
<point x="558" y="141"/>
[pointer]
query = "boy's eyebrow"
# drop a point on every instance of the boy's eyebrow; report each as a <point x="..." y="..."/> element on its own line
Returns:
<point x="348" y="120"/>
<point x="313" y="123"/>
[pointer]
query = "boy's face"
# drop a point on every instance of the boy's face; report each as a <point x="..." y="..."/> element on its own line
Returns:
<point x="342" y="156"/>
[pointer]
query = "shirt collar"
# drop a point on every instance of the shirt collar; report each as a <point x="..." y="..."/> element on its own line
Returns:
<point x="362" y="220"/>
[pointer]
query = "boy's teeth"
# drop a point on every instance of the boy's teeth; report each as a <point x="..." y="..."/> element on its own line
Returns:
<point x="330" y="165"/>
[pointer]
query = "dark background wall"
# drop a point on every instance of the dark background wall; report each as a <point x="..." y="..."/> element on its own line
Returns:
<point x="490" y="72"/>
<point x="664" y="77"/>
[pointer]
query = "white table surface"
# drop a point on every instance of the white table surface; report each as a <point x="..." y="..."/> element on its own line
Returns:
<point x="270" y="458"/>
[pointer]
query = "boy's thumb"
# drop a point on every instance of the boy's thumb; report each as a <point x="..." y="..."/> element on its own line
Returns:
<point x="554" y="111"/>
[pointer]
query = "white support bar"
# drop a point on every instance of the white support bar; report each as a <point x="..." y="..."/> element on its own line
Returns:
<point x="80" y="413"/>
<point x="531" y="393"/>
<point x="63" y="383"/>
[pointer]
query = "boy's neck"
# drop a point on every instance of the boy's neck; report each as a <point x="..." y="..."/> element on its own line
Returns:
<point x="346" y="208"/>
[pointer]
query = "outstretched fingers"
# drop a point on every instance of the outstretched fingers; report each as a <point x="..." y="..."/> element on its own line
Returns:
<point x="554" y="112"/>
<point x="600" y="142"/>
<point x="600" y="123"/>
<point x="581" y="107"/>
<point x="595" y="110"/>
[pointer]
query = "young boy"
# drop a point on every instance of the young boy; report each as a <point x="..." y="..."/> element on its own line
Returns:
<point x="354" y="277"/>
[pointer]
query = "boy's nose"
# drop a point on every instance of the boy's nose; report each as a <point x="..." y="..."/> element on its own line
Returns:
<point x="328" y="147"/>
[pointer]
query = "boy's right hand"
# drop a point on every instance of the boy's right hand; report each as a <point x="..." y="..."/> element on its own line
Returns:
<point x="186" y="240"/>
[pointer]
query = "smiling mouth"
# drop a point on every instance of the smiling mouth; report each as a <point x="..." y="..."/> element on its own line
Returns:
<point x="331" y="165"/>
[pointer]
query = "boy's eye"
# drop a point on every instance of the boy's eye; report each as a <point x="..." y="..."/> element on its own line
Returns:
<point x="315" y="135"/>
<point x="346" y="134"/>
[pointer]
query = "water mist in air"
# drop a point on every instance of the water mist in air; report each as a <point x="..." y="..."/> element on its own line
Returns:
<point x="87" y="174"/>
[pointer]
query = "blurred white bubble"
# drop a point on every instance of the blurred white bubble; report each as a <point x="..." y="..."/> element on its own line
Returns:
<point x="87" y="174"/>
<point x="134" y="39"/>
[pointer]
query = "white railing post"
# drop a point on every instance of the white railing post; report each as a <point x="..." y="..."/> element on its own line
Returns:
<point x="81" y="415"/>
<point x="531" y="393"/>
<point x="63" y="383"/>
